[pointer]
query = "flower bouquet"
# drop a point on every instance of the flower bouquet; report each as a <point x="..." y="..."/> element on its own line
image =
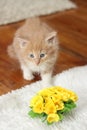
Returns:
<point x="51" y="104"/>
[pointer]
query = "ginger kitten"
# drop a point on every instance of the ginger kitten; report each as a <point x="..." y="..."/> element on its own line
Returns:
<point x="35" y="46"/>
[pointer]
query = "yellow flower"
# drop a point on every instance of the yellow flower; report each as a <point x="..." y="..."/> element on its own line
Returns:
<point x="45" y="92"/>
<point x="53" y="118"/>
<point x="38" y="107"/>
<point x="73" y="96"/>
<point x="50" y="101"/>
<point x="35" y="99"/>
<point x="49" y="107"/>
<point x="56" y="98"/>
<point x="65" y="96"/>
<point x="59" y="105"/>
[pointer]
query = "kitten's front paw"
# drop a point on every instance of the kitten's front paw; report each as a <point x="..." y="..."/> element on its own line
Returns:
<point x="28" y="76"/>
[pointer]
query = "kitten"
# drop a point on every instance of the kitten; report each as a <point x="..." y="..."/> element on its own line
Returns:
<point x="35" y="46"/>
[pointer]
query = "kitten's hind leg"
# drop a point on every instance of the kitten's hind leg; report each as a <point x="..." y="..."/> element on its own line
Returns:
<point x="27" y="73"/>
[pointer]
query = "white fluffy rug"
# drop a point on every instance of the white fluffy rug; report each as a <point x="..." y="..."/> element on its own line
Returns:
<point x="15" y="10"/>
<point x="14" y="106"/>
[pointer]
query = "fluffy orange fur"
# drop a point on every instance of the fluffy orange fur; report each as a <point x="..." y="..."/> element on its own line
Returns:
<point x="35" y="45"/>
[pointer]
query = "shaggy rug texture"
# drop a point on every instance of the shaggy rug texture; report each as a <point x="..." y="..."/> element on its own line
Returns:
<point x="15" y="10"/>
<point x="14" y="106"/>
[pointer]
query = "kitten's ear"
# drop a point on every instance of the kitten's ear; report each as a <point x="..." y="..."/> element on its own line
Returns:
<point x="51" y="38"/>
<point x="22" y="42"/>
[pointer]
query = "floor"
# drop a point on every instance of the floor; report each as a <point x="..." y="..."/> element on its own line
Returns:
<point x="72" y="33"/>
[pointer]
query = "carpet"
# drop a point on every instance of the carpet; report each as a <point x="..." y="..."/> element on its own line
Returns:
<point x="14" y="106"/>
<point x="16" y="10"/>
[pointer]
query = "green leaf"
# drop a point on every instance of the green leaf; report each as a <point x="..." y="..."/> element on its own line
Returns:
<point x="64" y="110"/>
<point x="70" y="104"/>
<point x="49" y="123"/>
<point x="32" y="114"/>
<point x="44" y="118"/>
<point x="42" y="115"/>
<point x="69" y="101"/>
<point x="61" y="116"/>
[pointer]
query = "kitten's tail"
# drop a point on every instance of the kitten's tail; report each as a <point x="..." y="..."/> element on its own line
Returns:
<point x="11" y="52"/>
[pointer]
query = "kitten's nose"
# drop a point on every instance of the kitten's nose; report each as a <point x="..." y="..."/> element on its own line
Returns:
<point x="37" y="61"/>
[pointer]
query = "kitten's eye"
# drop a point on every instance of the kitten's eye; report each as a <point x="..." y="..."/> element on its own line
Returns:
<point x="31" y="56"/>
<point x="42" y="55"/>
